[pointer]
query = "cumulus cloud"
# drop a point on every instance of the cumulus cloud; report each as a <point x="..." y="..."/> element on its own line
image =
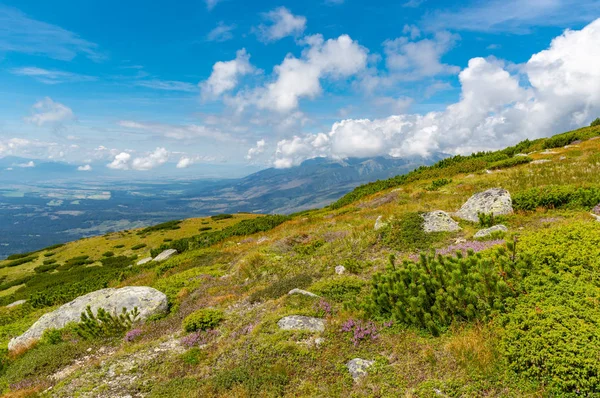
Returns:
<point x="225" y="75"/>
<point x="47" y="111"/>
<point x="559" y="90"/>
<point x="185" y="162"/>
<point x="222" y="32"/>
<point x="86" y="167"/>
<point x="256" y="150"/>
<point x="124" y="160"/>
<point x="281" y="23"/>
<point x="298" y="78"/>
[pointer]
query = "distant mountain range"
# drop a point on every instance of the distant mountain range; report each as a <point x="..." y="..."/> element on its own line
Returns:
<point x="49" y="203"/>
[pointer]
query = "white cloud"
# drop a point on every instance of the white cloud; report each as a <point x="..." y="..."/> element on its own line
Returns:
<point x="19" y="33"/>
<point x="221" y="33"/>
<point x="51" y="76"/>
<point x="334" y="2"/>
<point x="301" y="77"/>
<point x="184" y="162"/>
<point x="225" y="75"/>
<point x="257" y="150"/>
<point x="560" y="91"/>
<point x="179" y="132"/>
<point x="167" y="85"/>
<point x="210" y="4"/>
<point x="86" y="167"/>
<point x="124" y="160"/>
<point x="26" y="165"/>
<point x="47" y="111"/>
<point x="282" y="23"/>
<point x="514" y="16"/>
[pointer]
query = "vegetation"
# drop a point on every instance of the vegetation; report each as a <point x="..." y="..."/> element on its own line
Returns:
<point x="105" y="324"/>
<point x="281" y="287"/>
<point x="203" y="319"/>
<point x="407" y="234"/>
<point x="166" y="226"/>
<point x="219" y="217"/>
<point x="596" y="122"/>
<point x="557" y="196"/>
<point x="437" y="184"/>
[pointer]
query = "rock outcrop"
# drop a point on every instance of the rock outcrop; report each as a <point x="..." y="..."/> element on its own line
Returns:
<point x="358" y="367"/>
<point x="302" y="292"/>
<point x="495" y="201"/>
<point x="482" y="233"/>
<point x="167" y="254"/>
<point x="148" y="301"/>
<point x="300" y="322"/>
<point x="144" y="261"/>
<point x="439" y="221"/>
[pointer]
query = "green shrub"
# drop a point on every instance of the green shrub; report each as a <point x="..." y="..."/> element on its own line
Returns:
<point x="105" y="324"/>
<point x="20" y="261"/>
<point x="202" y="229"/>
<point x="75" y="262"/>
<point x="489" y="220"/>
<point x="281" y="287"/>
<point x="557" y="196"/>
<point x="309" y="248"/>
<point x="49" y="262"/>
<point x="340" y="288"/>
<point x="406" y="233"/>
<point x="218" y="217"/>
<point x="53" y="247"/>
<point x="355" y="266"/>
<point x="49" y="254"/>
<point x="119" y="246"/>
<point x="166" y="226"/>
<point x="511" y="162"/>
<point x="257" y="377"/>
<point x="138" y="246"/>
<point x="167" y="240"/>
<point x="18" y="256"/>
<point x="596" y="122"/>
<point x="51" y="336"/>
<point x="435" y="292"/>
<point x="204" y="319"/>
<point x="45" y="268"/>
<point x="108" y="254"/>
<point x="437" y="184"/>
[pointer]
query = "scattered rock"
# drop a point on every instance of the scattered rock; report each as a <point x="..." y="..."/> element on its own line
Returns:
<point x="144" y="261"/>
<point x="358" y="367"/>
<point x="300" y="322"/>
<point x="148" y="301"/>
<point x="458" y="241"/>
<point x="379" y="223"/>
<point x="496" y="201"/>
<point x="596" y="217"/>
<point x="439" y="221"/>
<point x="469" y="176"/>
<point x="340" y="269"/>
<point x="594" y="138"/>
<point x="521" y="154"/>
<point x="576" y="142"/>
<point x="489" y="172"/>
<point x="562" y="158"/>
<point x="18" y="302"/>
<point x="303" y="292"/>
<point x="571" y="146"/>
<point x="488" y="231"/>
<point x="540" y="161"/>
<point x="548" y="153"/>
<point x="167" y="254"/>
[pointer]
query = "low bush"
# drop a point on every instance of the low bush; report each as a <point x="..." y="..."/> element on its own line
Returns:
<point x="557" y="196"/>
<point x="108" y="254"/>
<point x="281" y="287"/>
<point x="511" y="162"/>
<point x="20" y="261"/>
<point x="49" y="262"/>
<point x="165" y="226"/>
<point x="595" y="123"/>
<point x="75" y="262"/>
<point x="119" y="246"/>
<point x="105" y="324"/>
<point x="489" y="219"/>
<point x="437" y="184"/>
<point x="204" y="319"/>
<point x="45" y="268"/>
<point x="406" y="233"/>
<point x="138" y="246"/>
<point x="202" y="229"/>
<point x="218" y="217"/>
<point x="339" y="288"/>
<point x="18" y="256"/>
<point x="49" y="254"/>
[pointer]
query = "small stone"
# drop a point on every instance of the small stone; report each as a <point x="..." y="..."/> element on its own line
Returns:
<point x="165" y="255"/>
<point x="300" y="322"/>
<point x="562" y="158"/>
<point x="379" y="223"/>
<point x="18" y="302"/>
<point x="439" y="221"/>
<point x="489" y="172"/>
<point x="303" y="292"/>
<point x="262" y="239"/>
<point x="548" y="152"/>
<point x="458" y="241"/>
<point x="488" y="231"/>
<point x="596" y="217"/>
<point x="358" y="367"/>
<point x="340" y="269"/>
<point x="319" y="341"/>
<point x="144" y="261"/>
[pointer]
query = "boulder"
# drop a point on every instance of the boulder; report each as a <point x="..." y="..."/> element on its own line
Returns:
<point x="299" y="322"/>
<point x="358" y="367"/>
<point x="14" y="304"/>
<point x="144" y="261"/>
<point x="496" y="201"/>
<point x="148" y="301"/>
<point x="340" y="270"/>
<point x="379" y="223"/>
<point x="439" y="221"/>
<point x="482" y="233"/>
<point x="303" y="292"/>
<point x="167" y="254"/>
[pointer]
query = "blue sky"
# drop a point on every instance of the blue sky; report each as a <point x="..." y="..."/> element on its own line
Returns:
<point x="135" y="86"/>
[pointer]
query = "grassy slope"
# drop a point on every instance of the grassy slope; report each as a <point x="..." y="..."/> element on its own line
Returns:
<point x="251" y="357"/>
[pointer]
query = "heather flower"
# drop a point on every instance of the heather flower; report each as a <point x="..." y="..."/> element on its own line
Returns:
<point x="323" y="308"/>
<point x="360" y="330"/>
<point x="199" y="338"/>
<point x="596" y="210"/>
<point x="133" y="335"/>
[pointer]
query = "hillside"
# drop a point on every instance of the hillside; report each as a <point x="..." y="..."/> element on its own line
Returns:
<point x="516" y="313"/>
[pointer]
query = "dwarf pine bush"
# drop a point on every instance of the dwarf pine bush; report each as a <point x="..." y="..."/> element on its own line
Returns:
<point x="105" y="324"/>
<point x="433" y="293"/>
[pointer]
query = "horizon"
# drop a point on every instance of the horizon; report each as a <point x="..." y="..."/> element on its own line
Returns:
<point x="176" y="91"/>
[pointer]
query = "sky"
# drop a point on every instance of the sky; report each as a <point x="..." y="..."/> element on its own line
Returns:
<point x="138" y="86"/>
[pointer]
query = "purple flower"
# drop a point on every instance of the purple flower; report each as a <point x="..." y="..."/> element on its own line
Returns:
<point x="199" y="338"/>
<point x="132" y="335"/>
<point x="323" y="308"/>
<point x="360" y="330"/>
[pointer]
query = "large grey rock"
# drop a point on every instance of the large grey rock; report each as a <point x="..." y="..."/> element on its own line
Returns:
<point x="482" y="233"/>
<point x="148" y="301"/>
<point x="496" y="201"/>
<point x="439" y="221"/>
<point x="300" y="322"/>
<point x="302" y="292"/>
<point x="167" y="254"/>
<point x="358" y="367"/>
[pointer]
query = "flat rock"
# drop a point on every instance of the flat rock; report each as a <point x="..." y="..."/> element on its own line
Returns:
<point x="358" y="367"/>
<point x="340" y="269"/>
<point x="167" y="254"/>
<point x="300" y="322"/>
<point x="303" y="292"/>
<point x="18" y="302"/>
<point x="148" y="301"/>
<point x="495" y="201"/>
<point x="144" y="261"/>
<point x="439" y="221"/>
<point x="482" y="233"/>
<point x="379" y="223"/>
